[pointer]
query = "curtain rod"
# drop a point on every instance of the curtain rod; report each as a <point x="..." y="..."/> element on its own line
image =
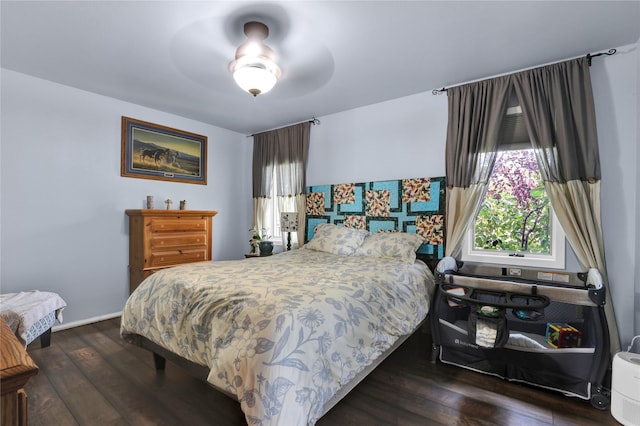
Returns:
<point x="314" y="121"/>
<point x="608" y="53"/>
<point x="589" y="57"/>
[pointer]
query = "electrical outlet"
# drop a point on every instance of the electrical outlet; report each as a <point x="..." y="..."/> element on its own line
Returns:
<point x="515" y="272"/>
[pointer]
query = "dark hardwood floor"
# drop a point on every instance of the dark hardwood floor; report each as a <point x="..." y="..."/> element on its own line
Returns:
<point x="89" y="376"/>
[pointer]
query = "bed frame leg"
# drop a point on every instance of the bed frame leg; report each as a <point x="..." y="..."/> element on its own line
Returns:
<point x="435" y="351"/>
<point x="45" y="339"/>
<point x="159" y="361"/>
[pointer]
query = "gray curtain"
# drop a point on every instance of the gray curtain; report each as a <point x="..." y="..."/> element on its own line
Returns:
<point x="283" y="151"/>
<point x="558" y="109"/>
<point x="283" y="154"/>
<point x="475" y="114"/>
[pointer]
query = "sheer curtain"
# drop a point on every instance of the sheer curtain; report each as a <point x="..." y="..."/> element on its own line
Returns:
<point x="558" y="108"/>
<point x="475" y="115"/>
<point x="280" y="156"/>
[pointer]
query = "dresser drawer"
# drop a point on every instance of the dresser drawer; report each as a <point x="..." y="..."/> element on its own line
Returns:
<point x="164" y="242"/>
<point x="160" y="239"/>
<point x="175" y="257"/>
<point x="159" y="225"/>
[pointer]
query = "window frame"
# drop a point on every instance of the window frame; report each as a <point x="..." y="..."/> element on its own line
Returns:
<point x="514" y="136"/>
<point x="274" y="214"/>
<point x="556" y="259"/>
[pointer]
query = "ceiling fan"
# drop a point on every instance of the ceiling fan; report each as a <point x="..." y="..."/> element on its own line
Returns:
<point x="203" y="49"/>
<point x="255" y="69"/>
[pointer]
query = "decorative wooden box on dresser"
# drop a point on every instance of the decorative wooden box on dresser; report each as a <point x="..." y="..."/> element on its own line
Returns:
<point x="160" y="239"/>
<point x="16" y="366"/>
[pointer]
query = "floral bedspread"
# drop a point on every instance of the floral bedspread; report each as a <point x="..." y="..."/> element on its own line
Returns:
<point x="282" y="333"/>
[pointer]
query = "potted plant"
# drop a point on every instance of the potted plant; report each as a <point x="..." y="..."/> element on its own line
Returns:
<point x="260" y="238"/>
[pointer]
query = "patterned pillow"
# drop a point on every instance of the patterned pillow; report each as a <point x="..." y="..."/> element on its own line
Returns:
<point x="336" y="239"/>
<point x="400" y="246"/>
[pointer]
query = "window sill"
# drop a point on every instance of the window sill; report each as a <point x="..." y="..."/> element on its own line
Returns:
<point x="528" y="261"/>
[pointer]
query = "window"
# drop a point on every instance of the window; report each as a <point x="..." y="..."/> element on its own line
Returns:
<point x="515" y="224"/>
<point x="278" y="171"/>
<point x="272" y="215"/>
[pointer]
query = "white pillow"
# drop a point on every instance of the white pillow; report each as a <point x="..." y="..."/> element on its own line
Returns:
<point x="400" y="246"/>
<point x="336" y="239"/>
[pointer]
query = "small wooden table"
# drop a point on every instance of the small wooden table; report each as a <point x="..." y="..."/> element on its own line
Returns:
<point x="16" y="367"/>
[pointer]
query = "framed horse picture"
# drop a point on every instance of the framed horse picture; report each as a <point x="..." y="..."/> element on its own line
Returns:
<point x="152" y="151"/>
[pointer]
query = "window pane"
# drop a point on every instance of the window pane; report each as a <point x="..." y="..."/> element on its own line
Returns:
<point x="515" y="214"/>
<point x="274" y="212"/>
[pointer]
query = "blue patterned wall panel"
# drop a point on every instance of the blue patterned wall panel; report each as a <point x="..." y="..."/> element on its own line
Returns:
<point x="408" y="205"/>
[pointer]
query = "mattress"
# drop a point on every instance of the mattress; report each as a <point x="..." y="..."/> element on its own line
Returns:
<point x="283" y="334"/>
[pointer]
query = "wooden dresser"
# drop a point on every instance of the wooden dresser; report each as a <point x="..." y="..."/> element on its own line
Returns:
<point x="16" y="366"/>
<point x="160" y="239"/>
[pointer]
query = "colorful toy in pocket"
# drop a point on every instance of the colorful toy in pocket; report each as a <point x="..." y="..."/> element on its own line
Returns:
<point x="563" y="335"/>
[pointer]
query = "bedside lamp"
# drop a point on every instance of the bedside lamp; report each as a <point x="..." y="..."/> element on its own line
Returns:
<point x="289" y="224"/>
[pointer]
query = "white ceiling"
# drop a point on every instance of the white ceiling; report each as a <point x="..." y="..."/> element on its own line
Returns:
<point x="173" y="55"/>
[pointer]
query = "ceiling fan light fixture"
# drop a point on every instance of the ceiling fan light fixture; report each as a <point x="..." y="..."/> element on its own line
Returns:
<point x="254" y="79"/>
<point x="254" y="68"/>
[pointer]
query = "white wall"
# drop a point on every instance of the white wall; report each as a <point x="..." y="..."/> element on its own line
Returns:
<point x="615" y="89"/>
<point x="63" y="199"/>
<point x="406" y="137"/>
<point x="397" y="139"/>
<point x="637" y="239"/>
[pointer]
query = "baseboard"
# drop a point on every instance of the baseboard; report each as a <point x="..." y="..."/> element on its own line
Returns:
<point x="91" y="320"/>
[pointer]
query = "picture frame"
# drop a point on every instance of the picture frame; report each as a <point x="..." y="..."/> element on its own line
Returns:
<point x="153" y="151"/>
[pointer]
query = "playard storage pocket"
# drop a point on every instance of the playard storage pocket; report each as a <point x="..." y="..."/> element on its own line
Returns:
<point x="487" y="324"/>
<point x="549" y="336"/>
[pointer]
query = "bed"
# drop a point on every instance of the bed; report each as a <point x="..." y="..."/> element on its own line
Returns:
<point x="290" y="334"/>
<point x="32" y="314"/>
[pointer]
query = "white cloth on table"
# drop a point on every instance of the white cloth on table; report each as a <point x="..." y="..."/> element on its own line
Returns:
<point x="24" y="309"/>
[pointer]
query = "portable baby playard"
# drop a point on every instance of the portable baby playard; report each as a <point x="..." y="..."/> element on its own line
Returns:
<point x="544" y="329"/>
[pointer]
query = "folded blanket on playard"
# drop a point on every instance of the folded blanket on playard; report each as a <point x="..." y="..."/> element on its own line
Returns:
<point x="24" y="309"/>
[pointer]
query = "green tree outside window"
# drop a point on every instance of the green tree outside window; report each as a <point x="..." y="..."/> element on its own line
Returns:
<point x="515" y="213"/>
